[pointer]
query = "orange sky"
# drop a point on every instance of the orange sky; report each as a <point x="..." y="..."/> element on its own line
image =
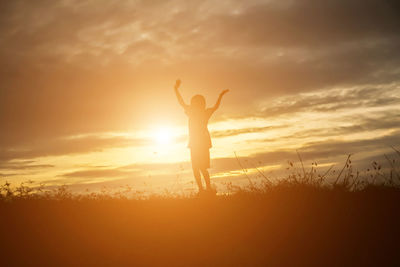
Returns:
<point x="87" y="87"/>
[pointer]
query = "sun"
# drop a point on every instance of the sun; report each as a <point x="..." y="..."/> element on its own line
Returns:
<point x="163" y="136"/>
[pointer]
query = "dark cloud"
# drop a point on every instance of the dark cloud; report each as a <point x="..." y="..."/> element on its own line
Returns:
<point x="333" y="101"/>
<point x="23" y="165"/>
<point x="66" y="146"/>
<point x="310" y="23"/>
<point x="129" y="173"/>
<point x="387" y="121"/>
<point x="4" y="175"/>
<point x="233" y="132"/>
<point x="333" y="148"/>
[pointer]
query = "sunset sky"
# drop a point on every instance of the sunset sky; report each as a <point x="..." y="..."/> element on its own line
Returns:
<point x="86" y="95"/>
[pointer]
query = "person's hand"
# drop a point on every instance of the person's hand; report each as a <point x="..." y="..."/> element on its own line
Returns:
<point x="177" y="84"/>
<point x="224" y="92"/>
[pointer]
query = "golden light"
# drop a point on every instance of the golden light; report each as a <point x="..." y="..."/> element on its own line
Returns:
<point x="163" y="136"/>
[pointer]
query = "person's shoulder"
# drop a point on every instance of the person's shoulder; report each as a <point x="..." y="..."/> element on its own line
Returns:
<point x="187" y="109"/>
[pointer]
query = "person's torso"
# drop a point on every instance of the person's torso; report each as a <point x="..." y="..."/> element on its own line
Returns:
<point x="199" y="135"/>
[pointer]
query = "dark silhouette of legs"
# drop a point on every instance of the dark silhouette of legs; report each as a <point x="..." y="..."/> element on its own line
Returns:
<point x="197" y="176"/>
<point x="206" y="176"/>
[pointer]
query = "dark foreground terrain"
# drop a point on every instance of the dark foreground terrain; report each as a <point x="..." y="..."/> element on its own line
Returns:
<point x="288" y="226"/>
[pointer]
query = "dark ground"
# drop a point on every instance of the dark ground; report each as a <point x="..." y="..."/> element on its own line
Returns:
<point x="286" y="227"/>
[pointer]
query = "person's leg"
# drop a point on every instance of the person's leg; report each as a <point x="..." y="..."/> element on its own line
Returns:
<point x="206" y="176"/>
<point x="197" y="176"/>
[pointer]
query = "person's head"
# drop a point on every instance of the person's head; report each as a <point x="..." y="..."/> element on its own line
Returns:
<point x="198" y="102"/>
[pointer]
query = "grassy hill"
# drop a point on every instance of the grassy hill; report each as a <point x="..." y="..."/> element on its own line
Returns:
<point x="298" y="221"/>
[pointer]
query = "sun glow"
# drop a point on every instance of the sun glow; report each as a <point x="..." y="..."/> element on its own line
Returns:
<point x="163" y="136"/>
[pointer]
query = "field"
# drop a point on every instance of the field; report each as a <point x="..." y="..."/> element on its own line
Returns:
<point x="299" y="221"/>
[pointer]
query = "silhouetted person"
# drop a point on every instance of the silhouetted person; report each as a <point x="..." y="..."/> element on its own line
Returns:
<point x="199" y="137"/>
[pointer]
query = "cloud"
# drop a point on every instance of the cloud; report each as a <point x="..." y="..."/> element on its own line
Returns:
<point x="66" y="146"/>
<point x="2" y="175"/>
<point x="309" y="23"/>
<point x="333" y="148"/>
<point x="132" y="170"/>
<point x="233" y="132"/>
<point x="23" y="165"/>
<point x="324" y="151"/>
<point x="98" y="173"/>
<point x="333" y="100"/>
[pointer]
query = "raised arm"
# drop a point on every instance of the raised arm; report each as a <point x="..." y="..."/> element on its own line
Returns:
<point x="216" y="106"/>
<point x="178" y="95"/>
